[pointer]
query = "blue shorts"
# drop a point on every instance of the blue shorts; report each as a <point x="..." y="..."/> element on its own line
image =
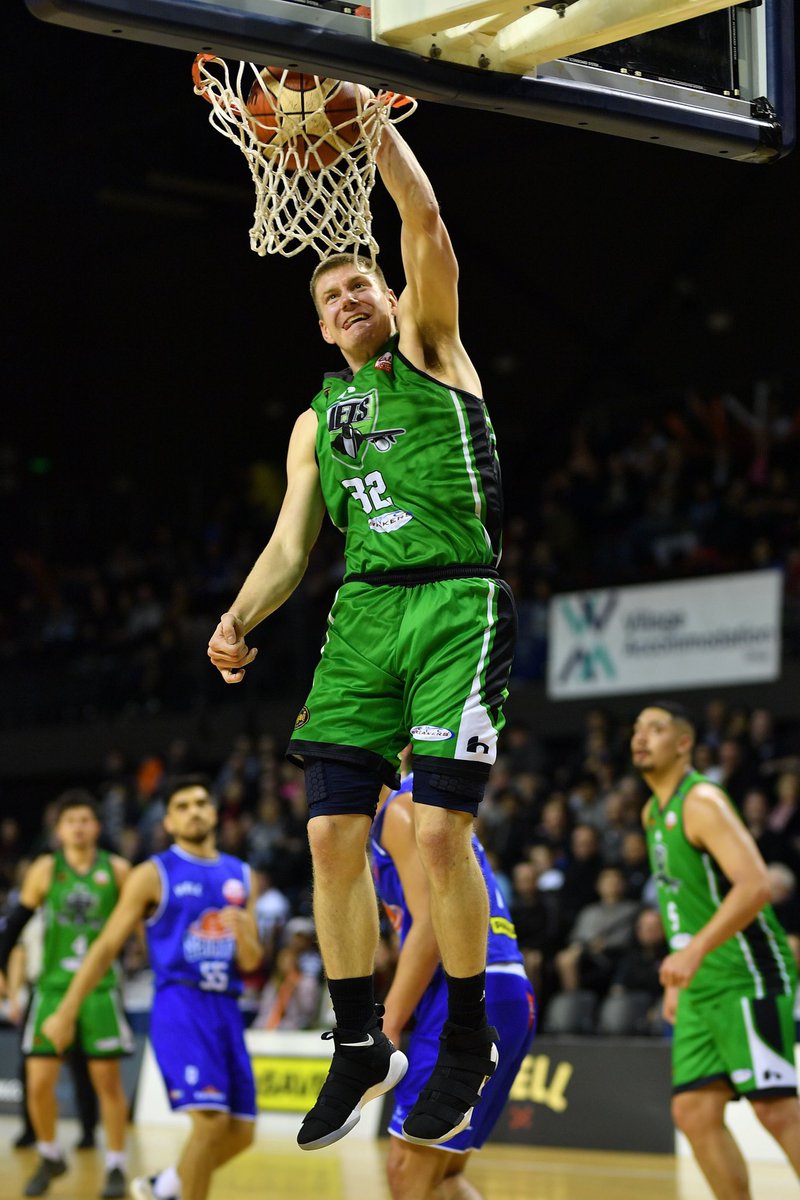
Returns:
<point x="510" y="1006"/>
<point x="198" y="1041"/>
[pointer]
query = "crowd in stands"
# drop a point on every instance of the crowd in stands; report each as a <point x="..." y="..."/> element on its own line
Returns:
<point x="562" y="829"/>
<point x="113" y="586"/>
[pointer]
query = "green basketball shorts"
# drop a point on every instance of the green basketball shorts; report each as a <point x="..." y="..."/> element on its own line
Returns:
<point x="102" y="1030"/>
<point x="426" y="664"/>
<point x="747" y="1042"/>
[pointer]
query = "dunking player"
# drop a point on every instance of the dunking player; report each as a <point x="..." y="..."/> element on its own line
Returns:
<point x="77" y="888"/>
<point x="400" y="450"/>
<point x="200" y="933"/>
<point x="418" y="1172"/>
<point x="730" y="980"/>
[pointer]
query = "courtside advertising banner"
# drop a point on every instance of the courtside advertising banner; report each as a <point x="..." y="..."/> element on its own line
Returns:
<point x="692" y="633"/>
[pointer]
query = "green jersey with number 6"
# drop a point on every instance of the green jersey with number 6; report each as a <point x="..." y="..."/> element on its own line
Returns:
<point x="408" y="468"/>
<point x="75" y="909"/>
<point x="757" y="960"/>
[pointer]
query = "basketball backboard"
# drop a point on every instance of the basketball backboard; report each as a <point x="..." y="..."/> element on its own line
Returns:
<point x="721" y="84"/>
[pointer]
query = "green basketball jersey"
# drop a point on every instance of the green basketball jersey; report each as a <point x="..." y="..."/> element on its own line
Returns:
<point x="75" y="910"/>
<point x="756" y="961"/>
<point x="408" y="468"/>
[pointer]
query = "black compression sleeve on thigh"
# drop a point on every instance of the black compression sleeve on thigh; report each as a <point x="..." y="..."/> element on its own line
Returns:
<point x="462" y="791"/>
<point x="338" y="788"/>
<point x="16" y="921"/>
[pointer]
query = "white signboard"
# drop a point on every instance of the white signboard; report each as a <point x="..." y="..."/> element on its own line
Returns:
<point x="695" y="633"/>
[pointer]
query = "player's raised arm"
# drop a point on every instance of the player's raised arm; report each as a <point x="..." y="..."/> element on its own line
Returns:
<point x="283" y="561"/>
<point x="141" y="893"/>
<point x="427" y="316"/>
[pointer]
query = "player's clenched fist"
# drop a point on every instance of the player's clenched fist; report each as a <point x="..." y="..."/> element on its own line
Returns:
<point x="228" y="650"/>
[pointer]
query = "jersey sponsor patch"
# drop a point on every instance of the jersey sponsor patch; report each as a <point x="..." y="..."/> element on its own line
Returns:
<point x="388" y="522"/>
<point x="431" y="733"/>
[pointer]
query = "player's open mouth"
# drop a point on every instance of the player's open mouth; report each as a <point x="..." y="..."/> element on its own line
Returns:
<point x="354" y="320"/>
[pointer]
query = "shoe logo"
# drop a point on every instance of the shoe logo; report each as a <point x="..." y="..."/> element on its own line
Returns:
<point x="369" y="1040"/>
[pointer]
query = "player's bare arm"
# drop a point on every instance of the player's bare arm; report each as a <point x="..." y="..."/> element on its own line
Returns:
<point x="121" y="868"/>
<point x="427" y="315"/>
<point x="711" y="825"/>
<point x="419" y="956"/>
<point x="283" y="561"/>
<point x="16" y="982"/>
<point x="242" y="924"/>
<point x="35" y="886"/>
<point x="37" y="881"/>
<point x="140" y="895"/>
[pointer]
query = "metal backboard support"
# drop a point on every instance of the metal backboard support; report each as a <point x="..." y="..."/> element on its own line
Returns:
<point x="753" y="122"/>
<point x="504" y="35"/>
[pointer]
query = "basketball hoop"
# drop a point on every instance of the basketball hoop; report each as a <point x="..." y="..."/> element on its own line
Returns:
<point x="310" y="144"/>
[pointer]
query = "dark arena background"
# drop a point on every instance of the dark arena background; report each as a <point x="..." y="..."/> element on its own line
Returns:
<point x="631" y="311"/>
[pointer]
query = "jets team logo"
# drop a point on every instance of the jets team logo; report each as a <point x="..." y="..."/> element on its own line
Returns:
<point x="78" y="907"/>
<point x="661" y="874"/>
<point x="353" y="426"/>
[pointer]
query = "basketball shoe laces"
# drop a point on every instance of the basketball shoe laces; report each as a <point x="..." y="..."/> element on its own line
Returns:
<point x="365" y="1065"/>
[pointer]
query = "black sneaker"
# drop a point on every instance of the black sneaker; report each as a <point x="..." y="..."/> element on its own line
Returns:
<point x="365" y="1064"/>
<point x="467" y="1058"/>
<point x="86" y="1141"/>
<point x="114" y="1186"/>
<point x="39" y="1182"/>
<point x="26" y="1138"/>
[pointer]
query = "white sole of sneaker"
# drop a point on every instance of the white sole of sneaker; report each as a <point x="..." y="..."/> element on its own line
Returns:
<point x="141" y="1188"/>
<point x="398" y="1065"/>
<point x="451" y="1133"/>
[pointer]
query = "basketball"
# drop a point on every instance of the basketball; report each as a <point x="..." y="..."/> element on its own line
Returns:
<point x="314" y="121"/>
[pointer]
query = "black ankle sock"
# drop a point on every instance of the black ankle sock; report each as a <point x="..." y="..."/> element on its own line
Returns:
<point x="466" y="1000"/>
<point x="353" y="1001"/>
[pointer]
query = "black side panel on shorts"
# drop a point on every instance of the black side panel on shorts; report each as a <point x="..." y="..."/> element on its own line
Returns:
<point x="501" y="656"/>
<point x="488" y="469"/>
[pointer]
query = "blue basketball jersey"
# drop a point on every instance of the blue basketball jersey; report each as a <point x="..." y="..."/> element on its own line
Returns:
<point x="502" y="943"/>
<point x="188" y="942"/>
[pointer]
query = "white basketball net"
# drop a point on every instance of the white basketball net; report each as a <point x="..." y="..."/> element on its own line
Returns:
<point x="302" y="198"/>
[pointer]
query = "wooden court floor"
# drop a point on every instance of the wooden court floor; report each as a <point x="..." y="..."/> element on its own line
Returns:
<point x="275" y="1169"/>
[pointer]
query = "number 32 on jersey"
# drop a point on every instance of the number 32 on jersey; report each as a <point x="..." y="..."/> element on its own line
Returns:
<point x="369" y="491"/>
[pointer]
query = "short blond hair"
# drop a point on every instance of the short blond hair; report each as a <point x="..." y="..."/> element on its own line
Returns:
<point x="342" y="260"/>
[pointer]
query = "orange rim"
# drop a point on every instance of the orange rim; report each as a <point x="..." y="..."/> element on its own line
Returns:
<point x="200" y="85"/>
<point x="394" y="99"/>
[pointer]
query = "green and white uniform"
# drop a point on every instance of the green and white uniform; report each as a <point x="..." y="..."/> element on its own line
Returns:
<point x="420" y="638"/>
<point x="75" y="909"/>
<point x="735" y="1019"/>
